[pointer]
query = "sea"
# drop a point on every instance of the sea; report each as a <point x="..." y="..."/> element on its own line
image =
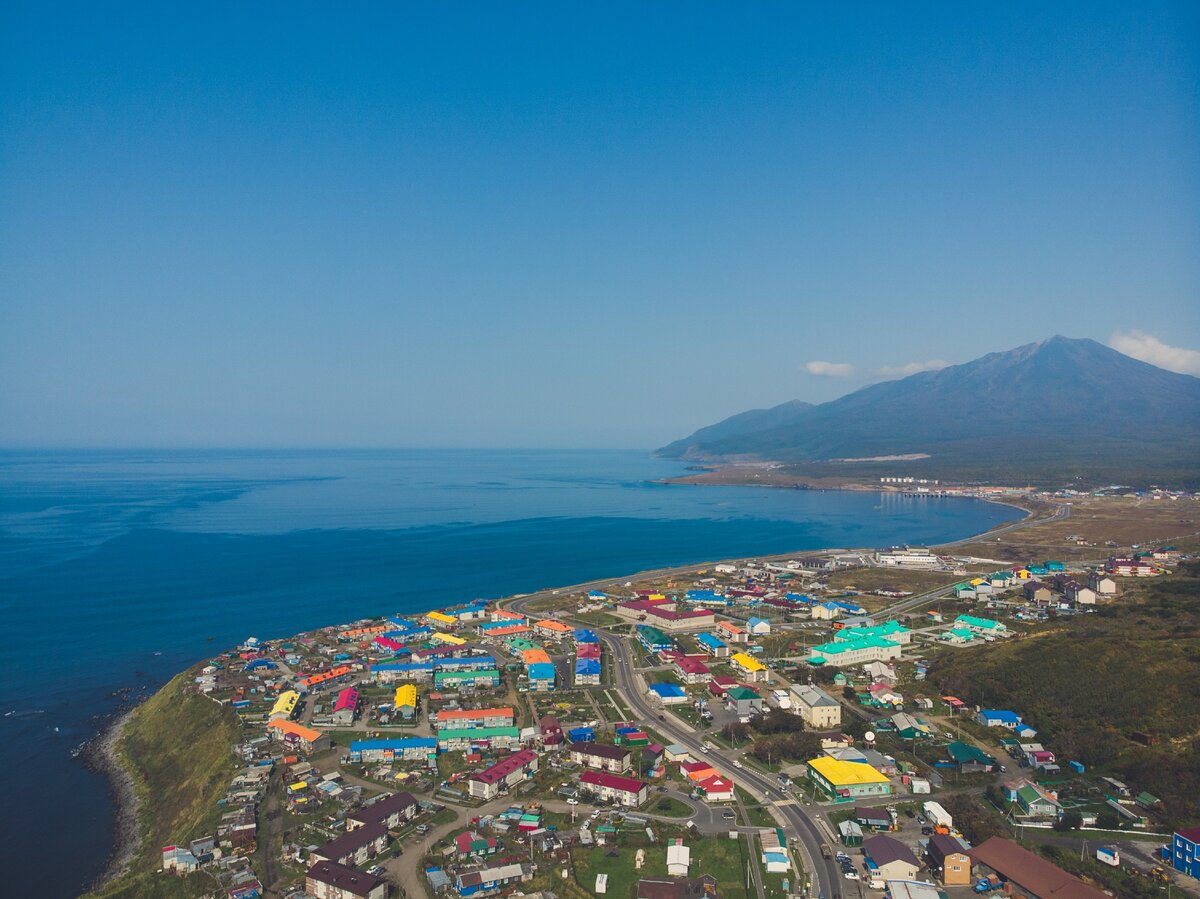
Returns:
<point x="118" y="569"/>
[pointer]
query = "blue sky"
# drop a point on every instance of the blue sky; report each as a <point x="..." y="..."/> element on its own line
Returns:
<point x="559" y="225"/>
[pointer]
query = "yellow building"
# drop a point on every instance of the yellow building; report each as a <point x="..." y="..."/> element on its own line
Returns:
<point x="285" y="705"/>
<point x="848" y="780"/>
<point x="441" y="618"/>
<point x="751" y="668"/>
<point x="406" y="700"/>
<point x="450" y="639"/>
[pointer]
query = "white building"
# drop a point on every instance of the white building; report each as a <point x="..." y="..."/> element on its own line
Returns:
<point x="816" y="708"/>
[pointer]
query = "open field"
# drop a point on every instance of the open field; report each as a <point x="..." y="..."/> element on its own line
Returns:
<point x="1096" y="520"/>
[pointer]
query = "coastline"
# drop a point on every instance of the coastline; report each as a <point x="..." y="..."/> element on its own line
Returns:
<point x="104" y="756"/>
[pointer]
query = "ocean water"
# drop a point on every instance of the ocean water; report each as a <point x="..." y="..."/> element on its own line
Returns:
<point x="119" y="569"/>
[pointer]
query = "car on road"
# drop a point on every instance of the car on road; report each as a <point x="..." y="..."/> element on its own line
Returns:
<point x="704" y="748"/>
<point x="662" y="789"/>
<point x="375" y="870"/>
<point x="595" y="814"/>
<point x="736" y="763"/>
<point x="662" y="717"/>
<point x="727" y="815"/>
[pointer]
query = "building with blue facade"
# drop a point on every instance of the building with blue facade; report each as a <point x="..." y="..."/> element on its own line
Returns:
<point x="1185" y="852"/>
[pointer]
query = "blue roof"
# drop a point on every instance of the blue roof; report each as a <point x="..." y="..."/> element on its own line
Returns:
<point x="395" y="743"/>
<point x="587" y="666"/>
<point x="1001" y="715"/>
<point x="597" y="594"/>
<point x="799" y="597"/>
<point x="489" y="625"/>
<point x="667" y="691"/>
<point x="407" y="632"/>
<point x="705" y="594"/>
<point x="849" y="606"/>
<point x="541" y="671"/>
<point x="403" y="666"/>
<point x="709" y="640"/>
<point x="754" y="621"/>
<point x="400" y="622"/>
<point x="584" y="635"/>
<point x="261" y="663"/>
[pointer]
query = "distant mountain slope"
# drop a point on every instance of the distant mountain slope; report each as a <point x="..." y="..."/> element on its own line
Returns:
<point x="740" y="425"/>
<point x="1073" y="402"/>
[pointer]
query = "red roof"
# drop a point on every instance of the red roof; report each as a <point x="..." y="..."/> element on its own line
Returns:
<point x="715" y="784"/>
<point x="612" y="781"/>
<point x="506" y="766"/>
<point x="347" y="699"/>
<point x="691" y="666"/>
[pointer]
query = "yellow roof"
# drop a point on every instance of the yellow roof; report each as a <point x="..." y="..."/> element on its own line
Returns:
<point x="298" y="786"/>
<point x="406" y="694"/>
<point x="747" y="661"/>
<point x="841" y="773"/>
<point x="447" y="638"/>
<point x="442" y="617"/>
<point x="286" y="703"/>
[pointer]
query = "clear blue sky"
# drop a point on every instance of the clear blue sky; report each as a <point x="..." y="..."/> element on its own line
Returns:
<point x="569" y="224"/>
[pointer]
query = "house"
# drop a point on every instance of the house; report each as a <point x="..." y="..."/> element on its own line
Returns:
<point x="179" y="860"/>
<point x="844" y="653"/>
<point x="716" y="789"/>
<point x="389" y="812"/>
<point x="969" y="759"/>
<point x="503" y="775"/>
<point x="345" y="707"/>
<point x="713" y="645"/>
<point x="889" y="859"/>
<point x="602" y="756"/>
<point x="541" y="677"/>
<point x="626" y="791"/>
<point x="679" y="859"/>
<point x="1104" y="586"/>
<point x="704" y="887"/>
<point x="390" y="672"/>
<point x="891" y="630"/>
<point x="653" y="639"/>
<point x="817" y="709"/>
<point x="850" y="833"/>
<point x="550" y="732"/>
<point x="664" y="614"/>
<point x="909" y="727"/>
<point x="826" y="611"/>
<point x="749" y="667"/>
<point x="1033" y="801"/>
<point x="981" y="626"/>
<point x="587" y="672"/>
<point x="1130" y="568"/>
<point x="998" y="718"/>
<point x="330" y="880"/>
<point x="484" y="880"/>
<point x="549" y="627"/>
<point x="848" y="780"/>
<point x="949" y="860"/>
<point x="743" y="701"/>
<point x="467" y="737"/>
<point x="692" y="671"/>
<point x="1029" y="873"/>
<point x="1077" y="593"/>
<point x="758" y="627"/>
<point x="298" y="736"/>
<point x="285" y="705"/>
<point x="470" y="844"/>
<point x="1185" y="851"/>
<point x="957" y="636"/>
<point x="354" y="847"/>
<point x="1037" y="592"/>
<point x="453" y="680"/>
<point x="731" y="632"/>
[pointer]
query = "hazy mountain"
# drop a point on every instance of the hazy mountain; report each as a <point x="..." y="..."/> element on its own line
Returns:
<point x="1073" y="402"/>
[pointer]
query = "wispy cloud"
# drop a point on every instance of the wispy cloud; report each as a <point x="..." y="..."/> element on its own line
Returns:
<point x="829" y="369"/>
<point x="903" y="371"/>
<point x="1150" y="349"/>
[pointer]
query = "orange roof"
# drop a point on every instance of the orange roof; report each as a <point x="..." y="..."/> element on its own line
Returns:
<point x="307" y="734"/>
<point x="534" y="656"/>
<point x="730" y="626"/>
<point x="362" y="631"/>
<point x="504" y="614"/>
<point x="506" y="631"/>
<point x="550" y="624"/>
<point x="326" y="675"/>
<point x="460" y="714"/>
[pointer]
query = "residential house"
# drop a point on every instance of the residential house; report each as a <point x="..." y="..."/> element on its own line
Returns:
<point x="397" y="748"/>
<point x="503" y="775"/>
<point x="703" y="887"/>
<point x="330" y="880"/>
<point x="354" y="847"/>
<point x="466" y="718"/>
<point x="889" y="859"/>
<point x="1103" y="585"/>
<point x="1185" y="851"/>
<point x="1028" y="873"/>
<point x="391" y="811"/>
<point x="998" y="718"/>
<point x="848" y="780"/>
<point x="613" y="759"/>
<point x="713" y="645"/>
<point x="469" y="844"/>
<point x="692" y="670"/>
<point x="482" y="880"/>
<point x="626" y="791"/>
<point x="743" y="701"/>
<point x="732" y="633"/>
<point x="749" y="667"/>
<point x="949" y="860"/>
<point x="818" y="710"/>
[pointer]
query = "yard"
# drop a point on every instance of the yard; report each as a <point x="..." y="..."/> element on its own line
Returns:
<point x="725" y="859"/>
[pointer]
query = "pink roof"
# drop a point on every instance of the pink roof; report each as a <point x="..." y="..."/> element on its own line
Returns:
<point x="587" y="651"/>
<point x="347" y="699"/>
<point x="691" y="666"/>
<point x="506" y="766"/>
<point x="388" y="643"/>
<point x="612" y="781"/>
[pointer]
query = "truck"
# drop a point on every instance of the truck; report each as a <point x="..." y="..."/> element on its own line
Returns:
<point x="987" y="884"/>
<point x="826" y="851"/>
<point x="1109" y="855"/>
<point x="937" y="815"/>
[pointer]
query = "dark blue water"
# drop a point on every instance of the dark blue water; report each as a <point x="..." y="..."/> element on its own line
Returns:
<point x="116" y="568"/>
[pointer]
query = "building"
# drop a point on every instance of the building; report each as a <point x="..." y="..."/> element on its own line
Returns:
<point x="653" y="639"/>
<point x="466" y="738"/>
<point x="329" y="880"/>
<point x="692" y="671"/>
<point x="891" y="630"/>
<point x="907" y="557"/>
<point x="703" y="887"/>
<point x="1185" y="852"/>
<point x="749" y="667"/>
<point x="627" y="791"/>
<point x="550" y="732"/>
<point x="874" y="818"/>
<point x="354" y="847"/>
<point x="889" y="859"/>
<point x="1029" y="873"/>
<point x="549" y="627"/>
<point x="505" y="774"/>
<point x="969" y="759"/>
<point x="485" y="880"/>
<point x="470" y="843"/>
<point x="949" y="860"/>
<point x="587" y="672"/>
<point x="998" y="718"/>
<point x="716" y="788"/>
<point x="541" y="676"/>
<point x="668" y="694"/>
<point x="613" y="759"/>
<point x="285" y="705"/>
<point x="843" y="654"/>
<point x="665" y="614"/>
<point x="713" y="645"/>
<point x="1104" y="586"/>
<point x="391" y="811"/>
<point x="981" y="626"/>
<point x="816" y="708"/>
<point x="397" y="749"/>
<point x="758" y="627"/>
<point x="390" y="672"/>
<point x="405" y="701"/>
<point x="298" y="736"/>
<point x="848" y="780"/>
<point x="743" y="701"/>
<point x="345" y="707"/>
<point x="732" y="633"/>
<point x="465" y="718"/>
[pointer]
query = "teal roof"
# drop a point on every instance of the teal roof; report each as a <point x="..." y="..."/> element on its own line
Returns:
<point x="836" y="649"/>
<point x="478" y="733"/>
<point x="983" y="623"/>
<point x="850" y="634"/>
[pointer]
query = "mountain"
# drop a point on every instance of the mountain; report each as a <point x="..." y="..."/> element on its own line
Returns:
<point x="1072" y="405"/>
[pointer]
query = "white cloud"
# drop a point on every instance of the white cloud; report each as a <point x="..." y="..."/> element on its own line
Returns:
<point x="1150" y="349"/>
<point x="903" y="371"/>
<point x="829" y="369"/>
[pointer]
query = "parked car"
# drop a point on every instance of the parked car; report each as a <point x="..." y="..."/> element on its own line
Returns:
<point x="908" y="812"/>
<point x="572" y="802"/>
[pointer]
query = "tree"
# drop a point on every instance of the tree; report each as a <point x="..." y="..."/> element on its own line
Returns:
<point x="1069" y="821"/>
<point x="736" y="732"/>
<point x="1108" y="821"/>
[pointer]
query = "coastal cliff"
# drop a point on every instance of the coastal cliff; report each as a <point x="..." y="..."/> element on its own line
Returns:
<point x="169" y="761"/>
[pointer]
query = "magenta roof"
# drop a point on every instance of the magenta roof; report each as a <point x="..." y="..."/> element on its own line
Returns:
<point x="506" y="766"/>
<point x="347" y="699"/>
<point x="612" y="781"/>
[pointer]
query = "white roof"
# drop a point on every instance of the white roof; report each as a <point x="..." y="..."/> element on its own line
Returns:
<point x="912" y="889"/>
<point x="678" y="855"/>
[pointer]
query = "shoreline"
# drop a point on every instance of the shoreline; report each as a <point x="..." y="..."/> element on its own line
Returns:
<point x="103" y="755"/>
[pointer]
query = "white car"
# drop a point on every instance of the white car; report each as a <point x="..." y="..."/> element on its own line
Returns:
<point x="572" y="802"/>
<point x="850" y="875"/>
<point x="736" y="763"/>
<point x="704" y="749"/>
<point x="595" y="814"/>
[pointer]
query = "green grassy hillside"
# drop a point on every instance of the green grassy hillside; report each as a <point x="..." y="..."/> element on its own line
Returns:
<point x="1091" y="682"/>
<point x="177" y="746"/>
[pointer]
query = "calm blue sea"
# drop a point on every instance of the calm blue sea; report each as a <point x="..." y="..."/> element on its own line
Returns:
<point x="118" y="569"/>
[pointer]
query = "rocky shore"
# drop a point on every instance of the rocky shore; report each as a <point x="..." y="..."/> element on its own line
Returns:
<point x="103" y="754"/>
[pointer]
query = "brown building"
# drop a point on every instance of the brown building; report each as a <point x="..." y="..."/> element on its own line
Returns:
<point x="329" y="880"/>
<point x="949" y="860"/>
<point x="354" y="847"/>
<point x="1029" y="873"/>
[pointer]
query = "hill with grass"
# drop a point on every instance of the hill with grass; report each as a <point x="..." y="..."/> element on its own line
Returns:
<point x="1090" y="684"/>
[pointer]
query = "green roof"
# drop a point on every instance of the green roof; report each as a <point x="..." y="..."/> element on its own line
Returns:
<point x="850" y="634"/>
<point x="961" y="633"/>
<point x="836" y="649"/>
<point x="965" y="752"/>
<point x="741" y="693"/>
<point x="984" y="623"/>
<point x="478" y="733"/>
<point x="465" y="675"/>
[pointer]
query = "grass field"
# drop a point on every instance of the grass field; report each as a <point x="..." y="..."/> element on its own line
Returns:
<point x="725" y="859"/>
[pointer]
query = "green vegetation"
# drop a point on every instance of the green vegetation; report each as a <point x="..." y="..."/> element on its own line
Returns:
<point x="176" y="747"/>
<point x="724" y="859"/>
<point x="1091" y="683"/>
<point x="670" y="807"/>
